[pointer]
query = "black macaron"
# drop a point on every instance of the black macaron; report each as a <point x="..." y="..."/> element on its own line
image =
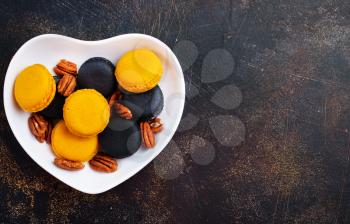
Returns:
<point x="55" y="108"/>
<point x="97" y="73"/>
<point x="144" y="106"/>
<point x="121" y="138"/>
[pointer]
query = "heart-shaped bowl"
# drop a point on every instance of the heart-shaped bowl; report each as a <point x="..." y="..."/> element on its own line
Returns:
<point x="48" y="49"/>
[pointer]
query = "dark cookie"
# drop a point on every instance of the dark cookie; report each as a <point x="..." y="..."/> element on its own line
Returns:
<point x="55" y="108"/>
<point x="97" y="73"/>
<point x="121" y="138"/>
<point x="144" y="106"/>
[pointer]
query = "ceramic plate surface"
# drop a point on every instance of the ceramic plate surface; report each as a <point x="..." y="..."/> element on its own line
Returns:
<point x="48" y="49"/>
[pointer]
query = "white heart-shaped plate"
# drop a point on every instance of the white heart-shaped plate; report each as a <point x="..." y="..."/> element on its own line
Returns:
<point x="48" y="49"/>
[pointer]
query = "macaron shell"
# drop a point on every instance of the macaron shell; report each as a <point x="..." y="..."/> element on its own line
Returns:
<point x="34" y="88"/>
<point x="144" y="106"/>
<point x="97" y="73"/>
<point x="139" y="70"/>
<point x="55" y="109"/>
<point x="121" y="138"/>
<point x="148" y="60"/>
<point x="69" y="146"/>
<point x="46" y="102"/>
<point x="86" y="112"/>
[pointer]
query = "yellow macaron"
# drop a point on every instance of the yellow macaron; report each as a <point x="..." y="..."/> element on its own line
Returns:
<point x="139" y="70"/>
<point x="69" y="146"/>
<point x="34" y="88"/>
<point x="86" y="112"/>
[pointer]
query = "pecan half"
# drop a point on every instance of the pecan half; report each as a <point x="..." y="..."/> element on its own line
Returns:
<point x="65" y="67"/>
<point x="48" y="133"/>
<point x="114" y="98"/>
<point x="68" y="164"/>
<point x="156" y="125"/>
<point x="147" y="135"/>
<point x="66" y="85"/>
<point x="40" y="127"/>
<point x="103" y="163"/>
<point x="123" y="111"/>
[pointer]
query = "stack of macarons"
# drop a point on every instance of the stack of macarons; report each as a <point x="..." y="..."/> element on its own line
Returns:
<point x="138" y="73"/>
<point x="85" y="121"/>
<point x="86" y="114"/>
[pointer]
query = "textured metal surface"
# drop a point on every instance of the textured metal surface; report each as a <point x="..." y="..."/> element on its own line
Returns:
<point x="292" y="69"/>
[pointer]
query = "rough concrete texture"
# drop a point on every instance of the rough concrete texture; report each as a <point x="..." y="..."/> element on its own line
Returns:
<point x="291" y="67"/>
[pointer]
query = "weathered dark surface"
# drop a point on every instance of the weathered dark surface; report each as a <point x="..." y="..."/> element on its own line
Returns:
<point x="293" y="69"/>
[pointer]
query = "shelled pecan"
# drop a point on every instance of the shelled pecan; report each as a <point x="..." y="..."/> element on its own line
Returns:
<point x="147" y="135"/>
<point x="103" y="163"/>
<point x="40" y="127"/>
<point x="156" y="125"/>
<point x="65" y="67"/>
<point x="114" y="98"/>
<point x="66" y="85"/>
<point x="123" y="111"/>
<point x="48" y="132"/>
<point x="68" y="164"/>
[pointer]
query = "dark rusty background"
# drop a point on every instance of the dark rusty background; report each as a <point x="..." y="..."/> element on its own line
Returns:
<point x="293" y="68"/>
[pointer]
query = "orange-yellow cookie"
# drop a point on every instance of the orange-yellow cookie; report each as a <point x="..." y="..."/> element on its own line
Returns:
<point x="86" y="112"/>
<point x="72" y="147"/>
<point x="34" y="88"/>
<point x="139" y="70"/>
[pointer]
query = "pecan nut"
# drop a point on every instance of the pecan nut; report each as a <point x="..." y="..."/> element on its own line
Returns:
<point x="156" y="125"/>
<point x="114" y="98"/>
<point x="40" y="127"/>
<point x="65" y="67"/>
<point x="66" y="85"/>
<point x="48" y="133"/>
<point x="147" y="135"/>
<point x="68" y="164"/>
<point x="123" y="111"/>
<point x="103" y="163"/>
